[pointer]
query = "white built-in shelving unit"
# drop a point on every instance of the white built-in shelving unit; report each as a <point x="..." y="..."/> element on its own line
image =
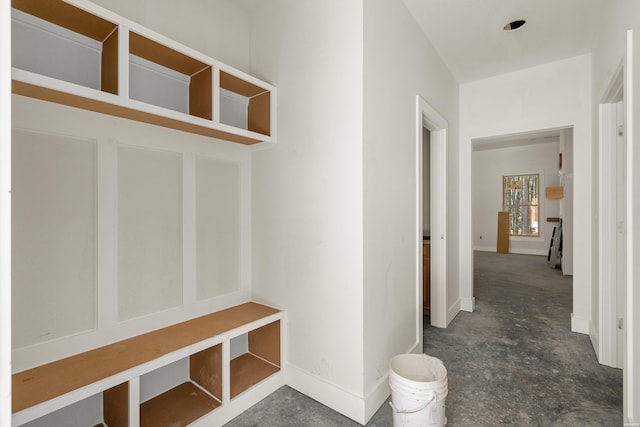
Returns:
<point x="204" y="371"/>
<point x="75" y="53"/>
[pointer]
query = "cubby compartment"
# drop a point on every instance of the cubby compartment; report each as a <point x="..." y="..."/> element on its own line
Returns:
<point x="56" y="39"/>
<point x="164" y="77"/>
<point x="244" y="105"/>
<point x="183" y="391"/>
<point x="254" y="357"/>
<point x="109" y="408"/>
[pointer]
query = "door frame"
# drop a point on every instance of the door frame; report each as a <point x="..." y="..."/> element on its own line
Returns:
<point x="428" y="117"/>
<point x="607" y="227"/>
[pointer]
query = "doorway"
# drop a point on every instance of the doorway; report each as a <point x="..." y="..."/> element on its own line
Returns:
<point x="436" y="217"/>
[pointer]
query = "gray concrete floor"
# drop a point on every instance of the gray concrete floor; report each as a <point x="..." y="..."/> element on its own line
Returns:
<point x="514" y="361"/>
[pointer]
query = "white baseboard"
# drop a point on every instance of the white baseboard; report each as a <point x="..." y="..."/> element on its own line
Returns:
<point x="595" y="339"/>
<point x="337" y="398"/>
<point x="381" y="390"/>
<point x="376" y="397"/>
<point x="468" y="304"/>
<point x="522" y="251"/>
<point x="512" y="250"/>
<point x="579" y="324"/>
<point x="329" y="394"/>
<point x="453" y="311"/>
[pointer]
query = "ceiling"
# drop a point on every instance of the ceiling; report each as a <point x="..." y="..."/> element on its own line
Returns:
<point x="469" y="35"/>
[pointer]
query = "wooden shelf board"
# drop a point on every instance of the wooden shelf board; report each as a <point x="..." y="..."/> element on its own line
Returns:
<point x="239" y="86"/>
<point x="163" y="55"/>
<point x="177" y="407"/>
<point x="45" y="94"/>
<point x="115" y="405"/>
<point x="46" y="382"/>
<point x="68" y="16"/>
<point x="248" y="370"/>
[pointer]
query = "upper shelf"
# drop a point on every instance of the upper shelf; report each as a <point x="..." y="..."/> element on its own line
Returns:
<point x="75" y="53"/>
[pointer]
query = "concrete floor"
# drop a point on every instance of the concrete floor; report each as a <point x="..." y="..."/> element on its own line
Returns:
<point x="513" y="361"/>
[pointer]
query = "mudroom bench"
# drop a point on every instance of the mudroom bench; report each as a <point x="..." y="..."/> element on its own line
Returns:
<point x="202" y="371"/>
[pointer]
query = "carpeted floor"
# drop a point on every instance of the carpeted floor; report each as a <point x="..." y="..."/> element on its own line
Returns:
<point x="512" y="362"/>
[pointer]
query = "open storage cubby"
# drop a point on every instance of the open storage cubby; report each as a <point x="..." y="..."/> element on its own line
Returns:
<point x="179" y="375"/>
<point x="109" y="408"/>
<point x="168" y="78"/>
<point x="74" y="53"/>
<point x="195" y="389"/>
<point x="244" y="104"/>
<point x="259" y="360"/>
<point x="58" y="40"/>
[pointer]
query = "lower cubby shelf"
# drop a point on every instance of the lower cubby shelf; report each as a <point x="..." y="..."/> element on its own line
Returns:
<point x="248" y="370"/>
<point x="179" y="406"/>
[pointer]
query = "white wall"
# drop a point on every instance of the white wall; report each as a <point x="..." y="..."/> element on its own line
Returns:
<point x="312" y="209"/>
<point x="219" y="29"/>
<point x="554" y="95"/>
<point x="399" y="63"/>
<point x="307" y="193"/>
<point x="616" y="18"/>
<point x="489" y="166"/>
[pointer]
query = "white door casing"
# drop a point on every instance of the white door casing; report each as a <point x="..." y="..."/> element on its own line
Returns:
<point x="428" y="117"/>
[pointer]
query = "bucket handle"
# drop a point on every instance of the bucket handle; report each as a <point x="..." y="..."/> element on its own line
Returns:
<point x="412" y="411"/>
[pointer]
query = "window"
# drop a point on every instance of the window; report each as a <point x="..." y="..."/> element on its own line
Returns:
<point x="521" y="198"/>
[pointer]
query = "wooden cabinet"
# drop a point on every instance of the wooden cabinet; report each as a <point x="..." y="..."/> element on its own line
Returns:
<point x="426" y="276"/>
<point x="75" y="53"/>
<point x="179" y="375"/>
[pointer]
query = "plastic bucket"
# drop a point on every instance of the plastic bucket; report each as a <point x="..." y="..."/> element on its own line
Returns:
<point x="418" y="390"/>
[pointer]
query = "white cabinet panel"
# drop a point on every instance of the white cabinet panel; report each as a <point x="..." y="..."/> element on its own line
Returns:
<point x="149" y="231"/>
<point x="54" y="237"/>
<point x="217" y="227"/>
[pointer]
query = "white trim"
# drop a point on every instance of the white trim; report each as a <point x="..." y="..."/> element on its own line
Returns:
<point x="453" y="310"/>
<point x="427" y="116"/>
<point x="606" y="333"/>
<point x="518" y="251"/>
<point x="536" y="239"/>
<point x="525" y="251"/>
<point x="5" y="213"/>
<point x="123" y="63"/>
<point x="631" y="380"/>
<point x="579" y="324"/>
<point x="468" y="304"/>
<point x="326" y="392"/>
<point x="376" y="397"/>
<point x="594" y="337"/>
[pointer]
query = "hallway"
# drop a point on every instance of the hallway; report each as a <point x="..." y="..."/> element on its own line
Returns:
<point x="512" y="362"/>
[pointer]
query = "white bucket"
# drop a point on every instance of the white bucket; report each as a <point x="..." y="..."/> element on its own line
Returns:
<point x="418" y="390"/>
